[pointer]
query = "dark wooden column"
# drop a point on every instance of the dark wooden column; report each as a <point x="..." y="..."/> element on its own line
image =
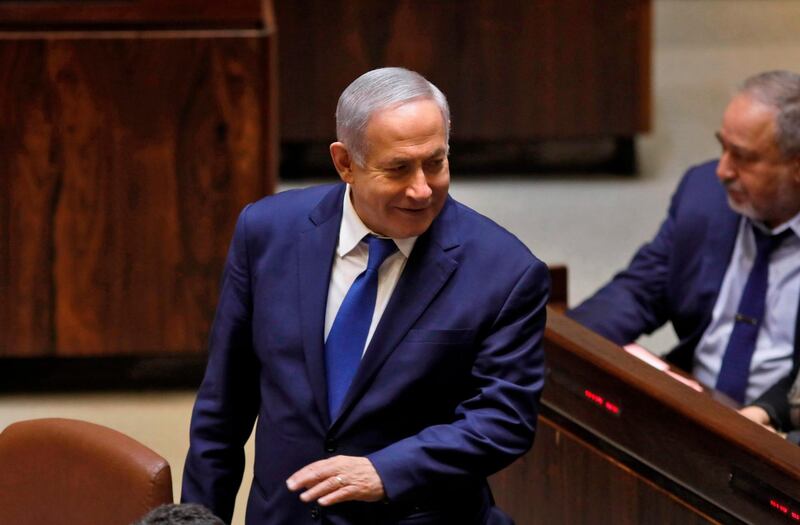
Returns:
<point x="132" y="134"/>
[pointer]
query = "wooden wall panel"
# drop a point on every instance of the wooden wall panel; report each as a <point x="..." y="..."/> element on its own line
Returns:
<point x="125" y="159"/>
<point x="513" y="71"/>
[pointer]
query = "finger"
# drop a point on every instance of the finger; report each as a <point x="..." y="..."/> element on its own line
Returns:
<point x="341" y="494"/>
<point x="310" y="475"/>
<point x="327" y="486"/>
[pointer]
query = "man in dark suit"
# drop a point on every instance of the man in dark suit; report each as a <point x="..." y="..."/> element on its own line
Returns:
<point x="445" y="384"/>
<point x="731" y="230"/>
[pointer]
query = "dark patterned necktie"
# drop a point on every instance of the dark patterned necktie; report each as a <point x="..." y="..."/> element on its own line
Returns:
<point x="735" y="371"/>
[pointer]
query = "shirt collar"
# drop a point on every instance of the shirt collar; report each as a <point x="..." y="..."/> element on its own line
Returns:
<point x="353" y="229"/>
<point x="793" y="224"/>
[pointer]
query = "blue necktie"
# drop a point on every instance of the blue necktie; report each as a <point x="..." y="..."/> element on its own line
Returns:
<point x="348" y="335"/>
<point x="735" y="371"/>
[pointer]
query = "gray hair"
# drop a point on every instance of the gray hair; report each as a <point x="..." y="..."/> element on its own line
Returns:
<point x="377" y="90"/>
<point x="780" y="90"/>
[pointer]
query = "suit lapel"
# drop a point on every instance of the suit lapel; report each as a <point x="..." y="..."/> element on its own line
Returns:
<point x="430" y="266"/>
<point x="718" y="243"/>
<point x="316" y="247"/>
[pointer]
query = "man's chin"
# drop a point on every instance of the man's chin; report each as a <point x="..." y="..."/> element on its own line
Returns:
<point x="743" y="208"/>
<point x="410" y="224"/>
<point x="411" y="229"/>
<point x="405" y="233"/>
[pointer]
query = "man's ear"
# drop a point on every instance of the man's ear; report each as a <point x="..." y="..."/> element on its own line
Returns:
<point x="342" y="161"/>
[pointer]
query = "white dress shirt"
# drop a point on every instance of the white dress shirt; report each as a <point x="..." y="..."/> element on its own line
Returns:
<point x="351" y="259"/>
<point x="772" y="358"/>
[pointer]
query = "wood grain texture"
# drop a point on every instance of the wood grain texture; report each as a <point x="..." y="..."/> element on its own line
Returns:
<point x="572" y="483"/>
<point x="512" y="71"/>
<point x="104" y="14"/>
<point x="125" y="162"/>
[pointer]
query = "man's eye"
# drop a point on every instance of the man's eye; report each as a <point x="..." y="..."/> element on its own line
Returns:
<point x="751" y="158"/>
<point x="744" y="157"/>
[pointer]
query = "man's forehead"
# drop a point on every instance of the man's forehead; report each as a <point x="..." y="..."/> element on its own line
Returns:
<point x="411" y="130"/>
<point x="748" y="123"/>
<point x="747" y="112"/>
<point x="406" y="118"/>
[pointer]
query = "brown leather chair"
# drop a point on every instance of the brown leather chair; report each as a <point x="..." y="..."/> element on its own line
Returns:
<point x="65" y="472"/>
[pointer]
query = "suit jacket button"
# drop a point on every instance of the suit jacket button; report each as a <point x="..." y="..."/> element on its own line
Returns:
<point x="315" y="513"/>
<point x="330" y="445"/>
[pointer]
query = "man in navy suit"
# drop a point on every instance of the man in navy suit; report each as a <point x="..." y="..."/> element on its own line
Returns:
<point x="693" y="273"/>
<point x="447" y="381"/>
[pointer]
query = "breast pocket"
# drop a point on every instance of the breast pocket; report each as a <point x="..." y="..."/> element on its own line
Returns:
<point x="432" y="358"/>
<point x="441" y="337"/>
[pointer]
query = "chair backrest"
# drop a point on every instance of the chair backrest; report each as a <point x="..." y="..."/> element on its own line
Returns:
<point x="65" y="472"/>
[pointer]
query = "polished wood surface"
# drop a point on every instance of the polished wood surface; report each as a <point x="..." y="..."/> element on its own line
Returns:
<point x="578" y="484"/>
<point x="513" y="71"/>
<point x="125" y="158"/>
<point x="684" y="442"/>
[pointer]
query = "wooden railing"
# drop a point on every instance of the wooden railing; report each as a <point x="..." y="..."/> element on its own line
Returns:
<point x="621" y="442"/>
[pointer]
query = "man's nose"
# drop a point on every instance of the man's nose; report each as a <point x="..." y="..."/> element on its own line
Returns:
<point x="726" y="171"/>
<point x="418" y="189"/>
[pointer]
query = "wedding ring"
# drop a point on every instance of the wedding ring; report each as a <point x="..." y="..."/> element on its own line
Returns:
<point x="339" y="480"/>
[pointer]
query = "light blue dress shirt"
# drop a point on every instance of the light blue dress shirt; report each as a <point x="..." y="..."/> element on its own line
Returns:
<point x="772" y="358"/>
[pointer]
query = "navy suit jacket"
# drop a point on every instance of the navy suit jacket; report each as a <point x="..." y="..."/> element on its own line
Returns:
<point x="675" y="277"/>
<point x="446" y="394"/>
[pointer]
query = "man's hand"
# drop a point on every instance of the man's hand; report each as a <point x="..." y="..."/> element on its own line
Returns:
<point x="338" y="479"/>
<point x="758" y="415"/>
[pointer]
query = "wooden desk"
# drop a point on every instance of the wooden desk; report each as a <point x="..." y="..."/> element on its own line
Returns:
<point x="621" y="443"/>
